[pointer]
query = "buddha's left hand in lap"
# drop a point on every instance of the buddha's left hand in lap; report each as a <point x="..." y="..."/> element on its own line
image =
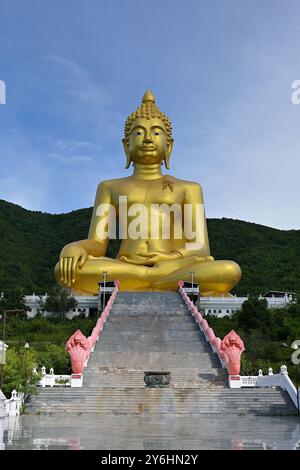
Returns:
<point x="151" y="258"/>
<point x="156" y="257"/>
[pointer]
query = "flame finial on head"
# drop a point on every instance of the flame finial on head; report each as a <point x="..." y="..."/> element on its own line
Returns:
<point x="148" y="97"/>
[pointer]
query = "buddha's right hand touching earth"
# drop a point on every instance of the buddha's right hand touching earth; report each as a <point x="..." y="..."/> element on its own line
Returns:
<point x="75" y="255"/>
<point x="71" y="256"/>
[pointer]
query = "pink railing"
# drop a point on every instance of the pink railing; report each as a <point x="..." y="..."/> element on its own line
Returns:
<point x="229" y="349"/>
<point x="80" y="347"/>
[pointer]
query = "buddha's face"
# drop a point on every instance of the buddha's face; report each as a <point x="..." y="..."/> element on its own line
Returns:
<point x="147" y="143"/>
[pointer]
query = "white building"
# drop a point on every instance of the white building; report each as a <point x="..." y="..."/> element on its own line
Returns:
<point x="222" y="306"/>
<point x="86" y="305"/>
<point x="219" y="306"/>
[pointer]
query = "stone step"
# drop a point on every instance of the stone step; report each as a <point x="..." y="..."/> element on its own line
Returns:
<point x="132" y="325"/>
<point x="138" y="347"/>
<point x="154" y="360"/>
<point x="179" y="401"/>
<point x="157" y="392"/>
<point x="209" y="375"/>
<point x="172" y="309"/>
<point x="132" y="318"/>
<point x="151" y="297"/>
<point x="105" y="396"/>
<point x="150" y="315"/>
<point x="113" y="381"/>
<point x="167" y="335"/>
<point x="121" y="406"/>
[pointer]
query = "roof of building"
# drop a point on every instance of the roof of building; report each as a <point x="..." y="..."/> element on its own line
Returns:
<point x="278" y="293"/>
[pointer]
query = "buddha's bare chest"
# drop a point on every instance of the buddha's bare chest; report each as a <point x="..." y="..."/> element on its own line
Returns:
<point x="148" y="192"/>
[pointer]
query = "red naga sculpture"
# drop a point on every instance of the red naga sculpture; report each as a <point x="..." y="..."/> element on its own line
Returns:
<point x="232" y="346"/>
<point x="79" y="348"/>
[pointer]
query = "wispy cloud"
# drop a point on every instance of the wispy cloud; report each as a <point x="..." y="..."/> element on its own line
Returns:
<point x="70" y="145"/>
<point x="71" y="160"/>
<point x="77" y="144"/>
<point x="79" y="82"/>
<point x="83" y="98"/>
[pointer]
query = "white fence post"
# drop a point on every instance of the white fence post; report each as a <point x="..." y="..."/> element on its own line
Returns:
<point x="283" y="369"/>
<point x="283" y="374"/>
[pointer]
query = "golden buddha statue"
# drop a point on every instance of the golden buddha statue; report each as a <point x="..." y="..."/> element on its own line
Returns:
<point x="148" y="259"/>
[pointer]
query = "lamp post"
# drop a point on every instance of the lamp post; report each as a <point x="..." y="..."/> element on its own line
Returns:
<point x="104" y="287"/>
<point x="192" y="276"/>
<point x="2" y="359"/>
<point x="26" y="346"/>
<point x="4" y="316"/>
<point x="296" y="347"/>
<point x="3" y="415"/>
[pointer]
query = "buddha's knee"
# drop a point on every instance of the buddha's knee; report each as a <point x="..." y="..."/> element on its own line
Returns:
<point x="57" y="273"/>
<point x="232" y="271"/>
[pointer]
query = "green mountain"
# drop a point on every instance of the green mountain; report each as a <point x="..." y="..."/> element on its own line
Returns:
<point x="31" y="241"/>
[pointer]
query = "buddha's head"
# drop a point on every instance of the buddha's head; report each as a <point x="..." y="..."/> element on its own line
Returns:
<point x="148" y="135"/>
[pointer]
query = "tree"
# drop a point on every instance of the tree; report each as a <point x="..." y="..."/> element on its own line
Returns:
<point x="254" y="315"/>
<point x="58" y="302"/>
<point x="12" y="299"/>
<point x="41" y="308"/>
<point x="55" y="356"/>
<point x="18" y="372"/>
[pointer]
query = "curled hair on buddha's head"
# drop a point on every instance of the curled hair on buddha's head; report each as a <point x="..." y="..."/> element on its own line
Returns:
<point x="148" y="110"/>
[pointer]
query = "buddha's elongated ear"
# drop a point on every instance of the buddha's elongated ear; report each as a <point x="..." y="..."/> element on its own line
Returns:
<point x="168" y="154"/>
<point x="128" y="159"/>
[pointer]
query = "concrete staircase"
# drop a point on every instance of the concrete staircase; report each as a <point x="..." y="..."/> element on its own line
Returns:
<point x="154" y="331"/>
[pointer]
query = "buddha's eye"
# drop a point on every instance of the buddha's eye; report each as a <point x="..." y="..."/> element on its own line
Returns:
<point x="157" y="132"/>
<point x="139" y="133"/>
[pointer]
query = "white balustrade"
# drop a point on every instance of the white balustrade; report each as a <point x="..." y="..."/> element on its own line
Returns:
<point x="13" y="405"/>
<point x="53" y="380"/>
<point x="281" y="380"/>
<point x="287" y="384"/>
<point x="250" y="381"/>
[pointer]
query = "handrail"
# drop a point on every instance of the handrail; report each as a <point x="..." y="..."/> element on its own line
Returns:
<point x="229" y="349"/>
<point x="80" y="347"/>
<point x="281" y="380"/>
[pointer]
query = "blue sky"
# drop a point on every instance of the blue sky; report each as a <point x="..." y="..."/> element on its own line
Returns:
<point x="222" y="71"/>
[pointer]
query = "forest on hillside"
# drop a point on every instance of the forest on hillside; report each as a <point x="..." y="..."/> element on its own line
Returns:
<point x="31" y="241"/>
